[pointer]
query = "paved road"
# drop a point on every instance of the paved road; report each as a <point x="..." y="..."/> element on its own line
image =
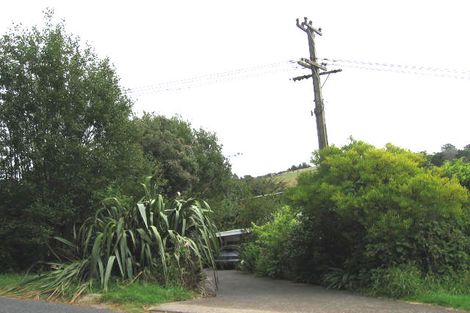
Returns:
<point x="30" y="306"/>
<point x="244" y="293"/>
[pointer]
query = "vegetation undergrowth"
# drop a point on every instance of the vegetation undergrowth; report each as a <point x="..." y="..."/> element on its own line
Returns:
<point x="167" y="242"/>
<point x="9" y="280"/>
<point x="408" y="283"/>
<point x="263" y="254"/>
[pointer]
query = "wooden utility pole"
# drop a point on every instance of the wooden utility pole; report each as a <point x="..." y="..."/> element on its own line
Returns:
<point x="313" y="65"/>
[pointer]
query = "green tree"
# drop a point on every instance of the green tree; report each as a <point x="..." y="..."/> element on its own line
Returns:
<point x="248" y="200"/>
<point x="449" y="153"/>
<point x="188" y="160"/>
<point x="459" y="169"/>
<point x="64" y="135"/>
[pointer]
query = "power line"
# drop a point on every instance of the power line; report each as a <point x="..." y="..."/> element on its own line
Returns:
<point x="397" y="66"/>
<point x="219" y="74"/>
<point x="203" y="80"/>
<point x="287" y="66"/>
<point x="401" y="68"/>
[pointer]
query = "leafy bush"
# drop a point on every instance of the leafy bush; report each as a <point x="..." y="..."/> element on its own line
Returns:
<point x="249" y="200"/>
<point x="459" y="169"/>
<point x="249" y="254"/>
<point x="337" y="278"/>
<point x="167" y="242"/>
<point x="407" y="281"/>
<point x="365" y="208"/>
<point x="189" y="161"/>
<point x="397" y="282"/>
<point x="266" y="255"/>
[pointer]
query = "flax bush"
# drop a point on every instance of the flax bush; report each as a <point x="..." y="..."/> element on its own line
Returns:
<point x="169" y="242"/>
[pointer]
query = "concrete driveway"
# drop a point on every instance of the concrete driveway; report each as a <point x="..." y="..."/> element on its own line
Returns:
<point x="245" y="293"/>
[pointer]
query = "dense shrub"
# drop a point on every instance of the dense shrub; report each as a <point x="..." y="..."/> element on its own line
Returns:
<point x="459" y="169"/>
<point x="248" y="200"/>
<point x="266" y="254"/>
<point x="365" y="208"/>
<point x="397" y="282"/>
<point x="189" y="161"/>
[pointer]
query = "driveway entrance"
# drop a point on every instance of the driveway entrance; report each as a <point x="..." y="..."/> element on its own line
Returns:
<point x="245" y="293"/>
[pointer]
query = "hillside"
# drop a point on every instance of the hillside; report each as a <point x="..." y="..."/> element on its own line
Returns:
<point x="289" y="178"/>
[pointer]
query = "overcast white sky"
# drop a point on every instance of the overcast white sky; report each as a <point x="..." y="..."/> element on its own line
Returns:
<point x="267" y="117"/>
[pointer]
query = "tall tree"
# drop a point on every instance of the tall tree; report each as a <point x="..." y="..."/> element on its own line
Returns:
<point x="64" y="134"/>
<point x="449" y="153"/>
<point x="187" y="160"/>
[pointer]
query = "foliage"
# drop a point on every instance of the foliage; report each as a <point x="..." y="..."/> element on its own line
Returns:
<point x="397" y="282"/>
<point x="189" y="161"/>
<point x="168" y="242"/>
<point x="449" y="153"/>
<point x="248" y="200"/>
<point x="337" y="278"/>
<point x="250" y="252"/>
<point x="407" y="282"/>
<point x="366" y="208"/>
<point x="10" y="280"/>
<point x="459" y="169"/>
<point x="64" y="134"/>
<point x="266" y="254"/>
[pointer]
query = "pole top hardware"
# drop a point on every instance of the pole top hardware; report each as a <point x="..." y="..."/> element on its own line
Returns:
<point x="306" y="26"/>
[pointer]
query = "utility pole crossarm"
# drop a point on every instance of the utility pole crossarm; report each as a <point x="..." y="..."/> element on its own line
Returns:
<point x="321" y="73"/>
<point x="310" y="64"/>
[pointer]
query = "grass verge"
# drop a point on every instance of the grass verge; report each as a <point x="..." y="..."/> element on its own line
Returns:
<point x="443" y="299"/>
<point x="406" y="282"/>
<point x="10" y="280"/>
<point x="131" y="298"/>
<point x="140" y="293"/>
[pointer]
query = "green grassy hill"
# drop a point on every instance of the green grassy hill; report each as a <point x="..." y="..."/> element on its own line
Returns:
<point x="289" y="178"/>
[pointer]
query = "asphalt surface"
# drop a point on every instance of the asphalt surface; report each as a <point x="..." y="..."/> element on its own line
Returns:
<point x="244" y="293"/>
<point x="29" y="306"/>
